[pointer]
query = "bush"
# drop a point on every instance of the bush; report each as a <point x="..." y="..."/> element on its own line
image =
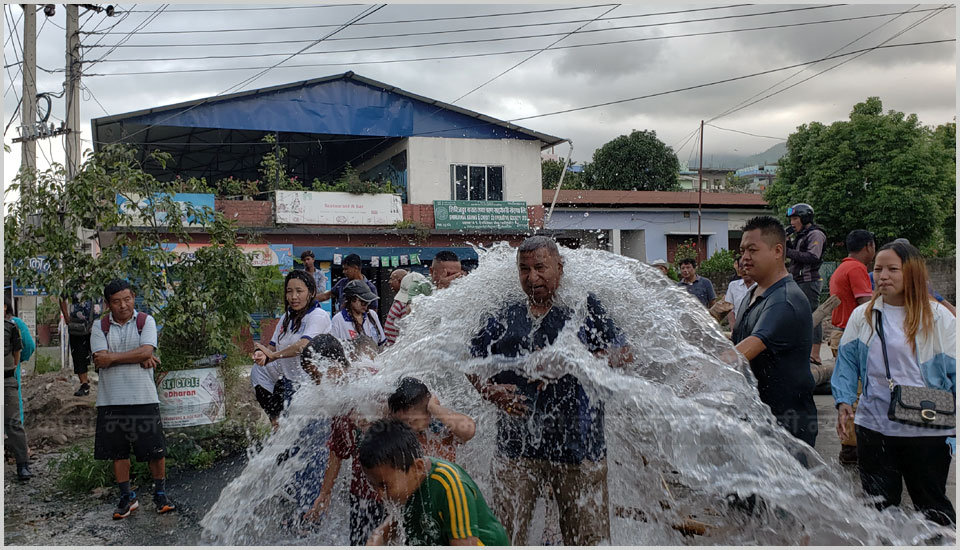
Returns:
<point x="82" y="473"/>
<point x="718" y="266"/>
<point x="46" y="364"/>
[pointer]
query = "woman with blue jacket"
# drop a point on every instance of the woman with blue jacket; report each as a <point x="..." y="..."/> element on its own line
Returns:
<point x="920" y="339"/>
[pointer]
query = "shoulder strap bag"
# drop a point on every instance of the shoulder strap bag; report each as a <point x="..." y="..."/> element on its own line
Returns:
<point x="913" y="405"/>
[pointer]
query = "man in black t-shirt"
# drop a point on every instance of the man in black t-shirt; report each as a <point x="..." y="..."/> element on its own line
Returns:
<point x="548" y="430"/>
<point x="774" y="330"/>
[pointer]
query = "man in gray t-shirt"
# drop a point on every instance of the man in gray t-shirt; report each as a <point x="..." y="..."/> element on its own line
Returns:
<point x="128" y="411"/>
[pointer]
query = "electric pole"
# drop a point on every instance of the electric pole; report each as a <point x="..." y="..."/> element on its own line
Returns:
<point x="28" y="105"/>
<point x="72" y="89"/>
<point x="700" y="203"/>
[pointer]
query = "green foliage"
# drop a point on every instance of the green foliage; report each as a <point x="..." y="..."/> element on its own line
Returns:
<point x="268" y="289"/>
<point x="882" y="172"/>
<point x="233" y="187"/>
<point x="735" y="183"/>
<point x="78" y="471"/>
<point x="350" y="182"/>
<point x="199" y="301"/>
<point x="550" y="171"/>
<point x="48" y="310"/>
<point x="672" y="273"/>
<point x="718" y="266"/>
<point x="638" y="161"/>
<point x="46" y="363"/>
<point x="420" y="231"/>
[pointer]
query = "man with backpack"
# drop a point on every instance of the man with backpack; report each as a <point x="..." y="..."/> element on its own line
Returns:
<point x="128" y="407"/>
<point x="79" y="314"/>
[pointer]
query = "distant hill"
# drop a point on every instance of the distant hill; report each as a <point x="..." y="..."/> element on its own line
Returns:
<point x="733" y="162"/>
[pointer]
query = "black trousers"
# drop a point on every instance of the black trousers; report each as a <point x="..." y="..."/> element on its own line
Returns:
<point x="922" y="463"/>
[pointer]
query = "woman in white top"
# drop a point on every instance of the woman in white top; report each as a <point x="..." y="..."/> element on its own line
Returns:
<point x="277" y="372"/>
<point x="920" y="338"/>
<point x="354" y="319"/>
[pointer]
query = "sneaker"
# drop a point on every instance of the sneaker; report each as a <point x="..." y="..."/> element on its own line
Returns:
<point x="128" y="503"/>
<point x="848" y="454"/>
<point x="163" y="503"/>
<point x="84" y="389"/>
<point x="23" y="472"/>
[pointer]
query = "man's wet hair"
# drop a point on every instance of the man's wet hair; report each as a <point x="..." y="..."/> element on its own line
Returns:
<point x="324" y="346"/>
<point x="389" y="442"/>
<point x="769" y="227"/>
<point x="409" y="392"/>
<point x="446" y="256"/>
<point x="532" y="244"/>
<point x="352" y="259"/>
<point x="7" y="305"/>
<point x="858" y="239"/>
<point x="690" y="261"/>
<point x="115" y="286"/>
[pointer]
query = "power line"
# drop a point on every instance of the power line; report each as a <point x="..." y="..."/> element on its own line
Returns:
<point x="425" y="33"/>
<point x="272" y="8"/>
<point x="747" y="133"/>
<point x="11" y="35"/>
<point x="531" y="56"/>
<point x="859" y="52"/>
<point x="396" y="22"/>
<point x="488" y="54"/>
<point x="365" y="13"/>
<point x="838" y="50"/>
<point x="143" y="24"/>
<point x="477" y="40"/>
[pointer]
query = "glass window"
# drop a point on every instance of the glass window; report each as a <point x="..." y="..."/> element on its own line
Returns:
<point x="460" y="182"/>
<point x="478" y="183"/>
<point x="495" y="183"/>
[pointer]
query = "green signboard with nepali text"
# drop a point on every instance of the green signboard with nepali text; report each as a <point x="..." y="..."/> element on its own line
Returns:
<point x="480" y="215"/>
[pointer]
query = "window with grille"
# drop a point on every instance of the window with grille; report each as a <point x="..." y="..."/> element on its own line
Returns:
<point x="470" y="182"/>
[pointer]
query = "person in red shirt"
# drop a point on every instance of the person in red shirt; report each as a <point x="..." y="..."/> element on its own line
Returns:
<point x="851" y="283"/>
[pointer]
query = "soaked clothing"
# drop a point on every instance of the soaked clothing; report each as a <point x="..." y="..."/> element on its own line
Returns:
<point x="784" y="381"/>
<point x="564" y="426"/>
<point x="448" y="505"/>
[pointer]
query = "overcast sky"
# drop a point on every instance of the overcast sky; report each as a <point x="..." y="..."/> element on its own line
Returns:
<point x="918" y="79"/>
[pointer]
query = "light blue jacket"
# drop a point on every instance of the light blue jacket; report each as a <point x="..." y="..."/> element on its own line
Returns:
<point x="936" y="355"/>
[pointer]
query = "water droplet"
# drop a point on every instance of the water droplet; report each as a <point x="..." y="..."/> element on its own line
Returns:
<point x="586" y="214"/>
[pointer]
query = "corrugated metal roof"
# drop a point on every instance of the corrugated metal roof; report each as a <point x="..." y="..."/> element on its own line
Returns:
<point x="574" y="197"/>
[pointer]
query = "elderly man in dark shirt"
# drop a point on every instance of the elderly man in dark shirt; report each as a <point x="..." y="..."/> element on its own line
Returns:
<point x="548" y="431"/>
<point x="773" y="330"/>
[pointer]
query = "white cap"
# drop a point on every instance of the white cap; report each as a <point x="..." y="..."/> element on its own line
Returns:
<point x="660" y="261"/>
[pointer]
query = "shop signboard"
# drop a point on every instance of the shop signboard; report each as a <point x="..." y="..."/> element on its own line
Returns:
<point x="481" y="215"/>
<point x="328" y="208"/>
<point x="261" y="255"/>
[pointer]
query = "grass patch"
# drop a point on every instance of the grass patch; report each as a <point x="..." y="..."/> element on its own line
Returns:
<point x="46" y="364"/>
<point x="79" y="472"/>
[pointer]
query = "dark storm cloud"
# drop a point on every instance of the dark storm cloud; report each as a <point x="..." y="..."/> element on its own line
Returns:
<point x="918" y="79"/>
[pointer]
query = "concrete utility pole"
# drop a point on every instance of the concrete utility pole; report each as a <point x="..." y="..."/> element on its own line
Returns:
<point x="28" y="105"/>
<point x="72" y="94"/>
<point x="700" y="203"/>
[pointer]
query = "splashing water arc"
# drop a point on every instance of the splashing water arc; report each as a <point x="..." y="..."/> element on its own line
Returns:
<point x="683" y="423"/>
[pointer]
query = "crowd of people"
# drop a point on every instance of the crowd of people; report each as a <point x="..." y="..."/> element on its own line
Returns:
<point x="891" y="330"/>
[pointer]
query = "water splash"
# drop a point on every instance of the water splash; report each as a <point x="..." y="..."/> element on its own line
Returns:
<point x="684" y="427"/>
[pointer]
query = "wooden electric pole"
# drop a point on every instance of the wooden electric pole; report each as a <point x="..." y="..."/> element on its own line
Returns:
<point x="28" y="105"/>
<point x="700" y="203"/>
<point x="72" y="91"/>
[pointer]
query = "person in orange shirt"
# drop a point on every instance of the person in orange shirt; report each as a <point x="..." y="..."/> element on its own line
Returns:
<point x="439" y="429"/>
<point x="851" y="283"/>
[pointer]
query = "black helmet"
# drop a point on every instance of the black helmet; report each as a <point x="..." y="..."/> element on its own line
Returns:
<point x="803" y="210"/>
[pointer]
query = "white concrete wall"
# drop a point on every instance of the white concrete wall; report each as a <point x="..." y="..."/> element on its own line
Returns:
<point x="429" y="160"/>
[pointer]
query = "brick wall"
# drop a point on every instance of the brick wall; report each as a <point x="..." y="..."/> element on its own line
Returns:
<point x="943" y="275"/>
<point x="421" y="213"/>
<point x="536" y="214"/>
<point x="247" y="213"/>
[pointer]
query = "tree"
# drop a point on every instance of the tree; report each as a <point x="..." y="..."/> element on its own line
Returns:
<point x="550" y="171"/>
<point x="638" y="161"/>
<point x="882" y="172"/>
<point x="200" y="302"/>
<point x="736" y="184"/>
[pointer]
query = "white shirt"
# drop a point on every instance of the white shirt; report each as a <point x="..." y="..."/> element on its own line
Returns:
<point x="125" y="383"/>
<point x="314" y="323"/>
<point x="904" y="370"/>
<point x="735" y="293"/>
<point x="345" y="330"/>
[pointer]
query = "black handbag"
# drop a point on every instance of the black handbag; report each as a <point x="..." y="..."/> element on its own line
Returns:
<point x="917" y="406"/>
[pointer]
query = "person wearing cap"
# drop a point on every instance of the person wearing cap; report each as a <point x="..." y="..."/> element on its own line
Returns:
<point x="355" y="318"/>
<point x="662" y="265"/>
<point x="352" y="265"/>
<point x="309" y="265"/>
<point x="411" y="285"/>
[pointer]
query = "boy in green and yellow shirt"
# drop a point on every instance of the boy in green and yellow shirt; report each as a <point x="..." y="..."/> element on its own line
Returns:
<point x="441" y="503"/>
